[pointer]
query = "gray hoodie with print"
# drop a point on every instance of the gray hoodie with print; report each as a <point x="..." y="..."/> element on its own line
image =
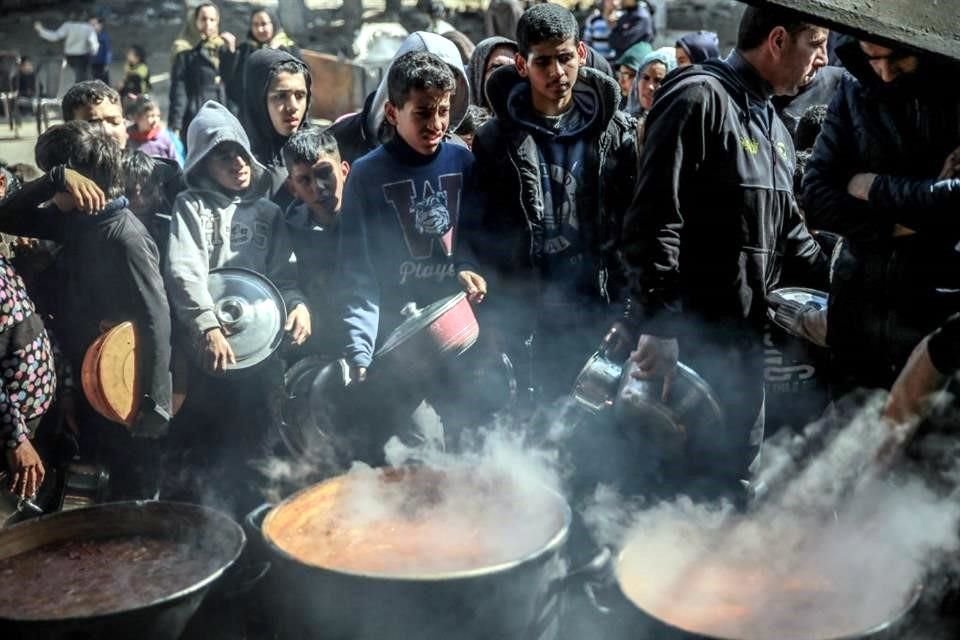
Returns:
<point x="213" y="227"/>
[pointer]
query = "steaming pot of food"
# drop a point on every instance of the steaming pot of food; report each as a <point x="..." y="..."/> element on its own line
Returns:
<point x="118" y="570"/>
<point x="419" y="553"/>
<point x="674" y="588"/>
<point x="446" y="328"/>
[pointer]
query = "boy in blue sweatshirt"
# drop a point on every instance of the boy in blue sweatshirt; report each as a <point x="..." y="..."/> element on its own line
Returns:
<point x="401" y="207"/>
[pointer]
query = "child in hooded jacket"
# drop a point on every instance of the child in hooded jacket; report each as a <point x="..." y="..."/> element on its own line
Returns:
<point x="224" y="220"/>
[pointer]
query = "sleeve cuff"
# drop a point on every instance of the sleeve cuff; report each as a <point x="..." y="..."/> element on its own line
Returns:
<point x="206" y="321"/>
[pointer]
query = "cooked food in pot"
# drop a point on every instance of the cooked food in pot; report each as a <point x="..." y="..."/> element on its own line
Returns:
<point x="415" y="523"/>
<point x="80" y="578"/>
<point x="720" y="585"/>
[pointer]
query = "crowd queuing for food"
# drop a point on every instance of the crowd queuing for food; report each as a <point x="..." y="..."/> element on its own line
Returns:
<point x="577" y="186"/>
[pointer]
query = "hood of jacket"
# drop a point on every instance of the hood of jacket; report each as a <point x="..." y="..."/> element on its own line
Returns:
<point x="265" y="142"/>
<point x="700" y="46"/>
<point x="446" y="51"/>
<point x="212" y="125"/>
<point x="929" y="78"/>
<point x="736" y="75"/>
<point x="505" y="85"/>
<point x="478" y="64"/>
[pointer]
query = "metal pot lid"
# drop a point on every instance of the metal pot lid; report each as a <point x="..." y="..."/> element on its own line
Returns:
<point x="417" y="319"/>
<point x="801" y="295"/>
<point x="251" y="311"/>
<point x="928" y="26"/>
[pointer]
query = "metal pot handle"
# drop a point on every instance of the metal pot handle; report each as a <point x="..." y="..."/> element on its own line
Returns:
<point x="253" y="520"/>
<point x="591" y="577"/>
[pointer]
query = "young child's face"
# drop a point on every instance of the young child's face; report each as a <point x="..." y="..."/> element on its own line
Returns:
<point x="423" y="119"/>
<point x="148" y="119"/>
<point x="287" y="102"/>
<point x="320" y="186"/>
<point x="26" y="67"/>
<point x="229" y="167"/>
<point x="133" y="58"/>
<point x="552" y="68"/>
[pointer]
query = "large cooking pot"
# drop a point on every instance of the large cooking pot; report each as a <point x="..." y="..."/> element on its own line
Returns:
<point x="337" y="596"/>
<point x="740" y="604"/>
<point x="209" y="535"/>
<point x="442" y="330"/>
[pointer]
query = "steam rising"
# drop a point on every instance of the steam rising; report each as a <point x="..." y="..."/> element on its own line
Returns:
<point x="833" y="546"/>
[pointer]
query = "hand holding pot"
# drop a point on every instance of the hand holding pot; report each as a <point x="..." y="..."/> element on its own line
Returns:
<point x="298" y="324"/>
<point x="218" y="350"/>
<point x="655" y="358"/>
<point x="473" y="285"/>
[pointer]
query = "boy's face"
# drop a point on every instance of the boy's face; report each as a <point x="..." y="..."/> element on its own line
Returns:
<point x="423" y="119"/>
<point x="229" y="167"/>
<point x="108" y="115"/>
<point x="287" y="102"/>
<point x="132" y="57"/>
<point x="320" y="186"/>
<point x="148" y="119"/>
<point x="552" y="68"/>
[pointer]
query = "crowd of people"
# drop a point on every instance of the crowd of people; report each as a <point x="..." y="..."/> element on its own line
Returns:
<point x="576" y="184"/>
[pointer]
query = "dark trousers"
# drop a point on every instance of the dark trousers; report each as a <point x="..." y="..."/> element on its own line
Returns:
<point x="80" y="65"/>
<point x="226" y="425"/>
<point x="101" y="72"/>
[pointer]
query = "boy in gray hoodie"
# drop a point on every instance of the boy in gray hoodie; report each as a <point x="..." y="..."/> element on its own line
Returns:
<point x="224" y="219"/>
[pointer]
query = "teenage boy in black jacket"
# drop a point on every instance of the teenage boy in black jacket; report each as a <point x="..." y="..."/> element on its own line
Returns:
<point x="111" y="274"/>
<point x="555" y="167"/>
<point x="712" y="221"/>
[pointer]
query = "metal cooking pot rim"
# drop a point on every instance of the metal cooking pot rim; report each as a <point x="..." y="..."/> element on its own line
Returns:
<point x="555" y="542"/>
<point x="141" y="504"/>
<point x="891" y="620"/>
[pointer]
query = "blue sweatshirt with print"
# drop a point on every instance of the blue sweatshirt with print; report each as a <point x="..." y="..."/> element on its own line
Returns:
<point x="399" y="238"/>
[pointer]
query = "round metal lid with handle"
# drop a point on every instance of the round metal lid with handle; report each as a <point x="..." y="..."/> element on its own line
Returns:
<point x="251" y="312"/>
<point x="417" y="319"/>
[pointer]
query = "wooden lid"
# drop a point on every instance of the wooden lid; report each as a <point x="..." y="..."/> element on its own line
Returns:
<point x="109" y="374"/>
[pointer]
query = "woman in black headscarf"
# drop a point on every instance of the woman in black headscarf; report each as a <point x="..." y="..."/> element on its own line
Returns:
<point x="265" y="32"/>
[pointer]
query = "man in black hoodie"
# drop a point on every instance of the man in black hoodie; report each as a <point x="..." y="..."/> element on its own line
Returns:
<point x="556" y="166"/>
<point x="277" y="105"/>
<point x="883" y="174"/>
<point x="712" y="221"/>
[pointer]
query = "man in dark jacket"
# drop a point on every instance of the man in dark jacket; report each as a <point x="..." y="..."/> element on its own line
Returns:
<point x="878" y="177"/>
<point x="711" y="223"/>
<point x="556" y="167"/>
<point x="111" y="275"/>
